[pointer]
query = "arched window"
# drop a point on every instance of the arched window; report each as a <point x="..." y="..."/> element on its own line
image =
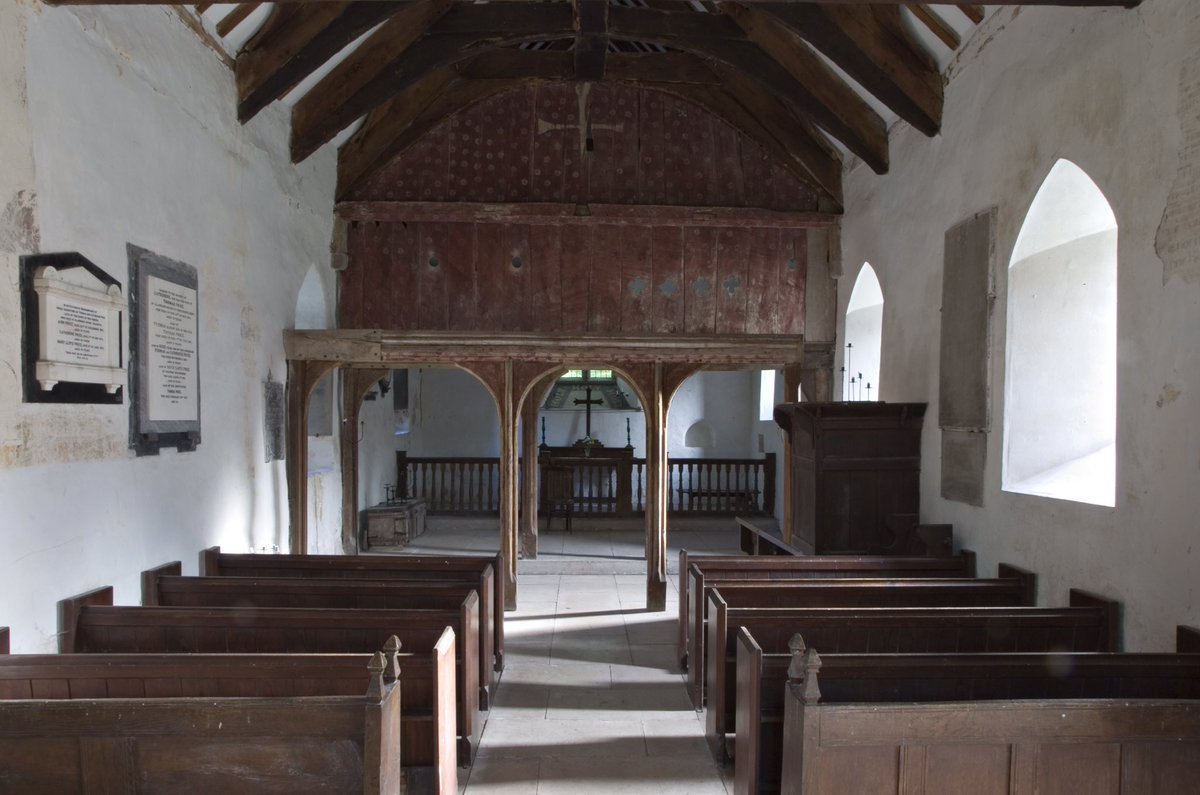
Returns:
<point x="1060" y="407"/>
<point x="864" y="338"/>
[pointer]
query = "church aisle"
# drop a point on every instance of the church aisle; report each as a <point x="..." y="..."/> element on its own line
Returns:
<point x="591" y="700"/>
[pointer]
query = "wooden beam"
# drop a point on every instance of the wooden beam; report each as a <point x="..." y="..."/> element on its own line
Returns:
<point x="401" y="54"/>
<point x="948" y="35"/>
<point x="510" y="3"/>
<point x="591" y="38"/>
<point x="556" y="214"/>
<point x="636" y="68"/>
<point x="450" y="348"/>
<point x="402" y="121"/>
<point x="353" y="87"/>
<point x="202" y="7"/>
<point x="972" y="12"/>
<point x="872" y="47"/>
<point x="235" y="17"/>
<point x="795" y="73"/>
<point x="291" y="46"/>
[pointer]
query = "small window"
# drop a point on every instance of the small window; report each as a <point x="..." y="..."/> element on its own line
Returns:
<point x="1060" y="407"/>
<point x="766" y="395"/>
<point x="864" y="338"/>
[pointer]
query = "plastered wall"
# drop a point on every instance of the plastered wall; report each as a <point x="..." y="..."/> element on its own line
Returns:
<point x="1118" y="93"/>
<point x="116" y="127"/>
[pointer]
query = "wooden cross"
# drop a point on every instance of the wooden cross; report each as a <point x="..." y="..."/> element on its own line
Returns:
<point x="587" y="404"/>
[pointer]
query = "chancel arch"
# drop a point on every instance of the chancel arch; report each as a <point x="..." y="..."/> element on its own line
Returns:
<point x="1061" y="347"/>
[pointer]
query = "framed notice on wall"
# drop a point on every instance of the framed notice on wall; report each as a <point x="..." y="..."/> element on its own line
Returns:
<point x="164" y="337"/>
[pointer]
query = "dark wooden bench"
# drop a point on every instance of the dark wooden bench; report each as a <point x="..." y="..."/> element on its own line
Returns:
<point x="488" y="568"/>
<point x="232" y="724"/>
<point x="1013" y="588"/>
<point x="162" y="586"/>
<point x="1091" y="623"/>
<point x="1119" y="723"/>
<point x="89" y="623"/>
<point x="694" y="568"/>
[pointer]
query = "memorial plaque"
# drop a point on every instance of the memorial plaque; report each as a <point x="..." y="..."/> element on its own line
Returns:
<point x="73" y="340"/>
<point x="164" y="331"/>
<point x="172" y="377"/>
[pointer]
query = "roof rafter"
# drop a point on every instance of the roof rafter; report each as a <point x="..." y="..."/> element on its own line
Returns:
<point x="871" y="45"/>
<point x="295" y="42"/>
<point x="1031" y="3"/>
<point x="591" y="38"/>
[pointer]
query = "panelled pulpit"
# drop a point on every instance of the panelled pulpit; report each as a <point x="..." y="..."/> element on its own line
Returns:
<point x="855" y="474"/>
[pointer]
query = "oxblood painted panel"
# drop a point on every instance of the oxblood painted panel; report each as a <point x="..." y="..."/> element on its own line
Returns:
<point x="554" y="133"/>
<point x="515" y="143"/>
<point x="576" y="270"/>
<point x="699" y="277"/>
<point x="791" y="280"/>
<point x="788" y="192"/>
<point x="637" y="279"/>
<point x="515" y="263"/>
<point x="433" y="311"/>
<point x="605" y="298"/>
<point x="377" y="294"/>
<point x="431" y="156"/>
<point x="727" y="167"/>
<point x="675" y="122"/>
<point x="351" y="279"/>
<point x="758" y="175"/>
<point x="733" y="250"/>
<point x="545" y="278"/>
<point x="762" y="288"/>
<point x="404" y="242"/>
<point x="460" y="157"/>
<point x="458" y="258"/>
<point x="494" y="289"/>
<point x="651" y="179"/>
<point x="668" y="280"/>
<point x="694" y="175"/>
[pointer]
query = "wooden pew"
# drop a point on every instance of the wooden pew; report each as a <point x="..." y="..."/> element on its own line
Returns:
<point x="162" y="586"/>
<point x="215" y="563"/>
<point x="1187" y="640"/>
<point x="1013" y="588"/>
<point x="4" y="640"/>
<point x="89" y="623"/>
<point x="230" y="724"/>
<point x="1091" y="623"/>
<point x="1119" y="723"/>
<point x="694" y="569"/>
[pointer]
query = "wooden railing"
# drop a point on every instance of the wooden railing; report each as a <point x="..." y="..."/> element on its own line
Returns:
<point x="697" y="486"/>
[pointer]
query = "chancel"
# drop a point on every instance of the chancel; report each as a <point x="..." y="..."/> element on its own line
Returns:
<point x="824" y="327"/>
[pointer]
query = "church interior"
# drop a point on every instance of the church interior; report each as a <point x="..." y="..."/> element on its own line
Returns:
<point x="280" y="271"/>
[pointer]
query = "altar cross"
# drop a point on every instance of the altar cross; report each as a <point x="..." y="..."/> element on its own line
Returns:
<point x="587" y="404"/>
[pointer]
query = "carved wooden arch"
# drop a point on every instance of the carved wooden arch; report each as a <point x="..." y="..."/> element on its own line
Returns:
<point x="303" y="377"/>
<point x="356" y="382"/>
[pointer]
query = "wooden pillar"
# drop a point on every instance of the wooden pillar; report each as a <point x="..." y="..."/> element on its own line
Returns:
<point x="529" y="475"/>
<point x="509" y="447"/>
<point x="656" y="493"/>
<point x="355" y="384"/>
<point x="791" y="386"/>
<point x="303" y="377"/>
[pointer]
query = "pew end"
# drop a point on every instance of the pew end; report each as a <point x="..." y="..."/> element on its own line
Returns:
<point x="1187" y="640"/>
<point x="4" y="647"/>
<point x="1027" y="578"/>
<point x="1112" y="611"/>
<point x="970" y="567"/>
<point x="69" y="610"/>
<point x="150" y="578"/>
<point x="210" y="562"/>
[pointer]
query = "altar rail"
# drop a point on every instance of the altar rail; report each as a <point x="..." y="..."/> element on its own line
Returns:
<point x="697" y="486"/>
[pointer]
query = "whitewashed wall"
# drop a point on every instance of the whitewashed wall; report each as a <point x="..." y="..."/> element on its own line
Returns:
<point x="1118" y="93"/>
<point x="117" y="126"/>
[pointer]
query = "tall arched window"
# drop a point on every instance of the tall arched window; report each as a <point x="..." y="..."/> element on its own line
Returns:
<point x="864" y="338"/>
<point x="1060" y="408"/>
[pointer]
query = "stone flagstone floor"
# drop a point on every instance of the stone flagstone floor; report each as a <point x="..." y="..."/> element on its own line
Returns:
<point x="592" y="699"/>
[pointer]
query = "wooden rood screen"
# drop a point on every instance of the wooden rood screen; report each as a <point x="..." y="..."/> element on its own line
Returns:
<point x="698" y="486"/>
